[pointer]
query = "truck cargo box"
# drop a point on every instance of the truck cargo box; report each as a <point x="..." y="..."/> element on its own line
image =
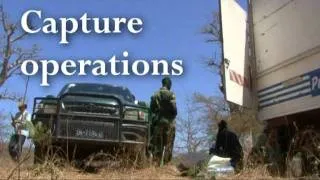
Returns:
<point x="272" y="63"/>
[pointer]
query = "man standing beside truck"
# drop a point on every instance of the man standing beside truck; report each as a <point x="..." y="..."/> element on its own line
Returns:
<point x="163" y="107"/>
<point x="19" y="122"/>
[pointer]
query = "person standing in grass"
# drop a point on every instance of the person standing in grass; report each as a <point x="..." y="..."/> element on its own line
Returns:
<point x="19" y="122"/>
<point x="163" y="107"/>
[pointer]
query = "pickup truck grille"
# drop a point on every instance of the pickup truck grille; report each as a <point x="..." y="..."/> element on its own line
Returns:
<point x="85" y="129"/>
<point x="95" y="108"/>
<point x="91" y="120"/>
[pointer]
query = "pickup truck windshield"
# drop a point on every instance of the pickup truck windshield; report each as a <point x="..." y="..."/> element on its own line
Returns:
<point x="99" y="89"/>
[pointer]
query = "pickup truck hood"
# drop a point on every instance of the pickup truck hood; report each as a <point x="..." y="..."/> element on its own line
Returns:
<point x="102" y="98"/>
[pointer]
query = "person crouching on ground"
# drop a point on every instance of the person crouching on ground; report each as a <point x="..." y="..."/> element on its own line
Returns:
<point x="228" y="145"/>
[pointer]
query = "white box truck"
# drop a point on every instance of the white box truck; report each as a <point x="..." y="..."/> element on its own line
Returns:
<point x="271" y="53"/>
<point x="271" y="60"/>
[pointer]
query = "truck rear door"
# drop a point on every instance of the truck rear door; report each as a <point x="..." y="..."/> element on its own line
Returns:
<point x="237" y="81"/>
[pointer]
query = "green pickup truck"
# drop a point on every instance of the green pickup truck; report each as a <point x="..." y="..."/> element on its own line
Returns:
<point x="85" y="118"/>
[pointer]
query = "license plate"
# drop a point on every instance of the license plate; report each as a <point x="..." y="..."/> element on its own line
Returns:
<point x="89" y="133"/>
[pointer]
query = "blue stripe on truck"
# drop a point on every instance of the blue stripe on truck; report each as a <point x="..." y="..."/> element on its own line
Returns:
<point x="283" y="88"/>
<point x="303" y="85"/>
<point x="285" y="93"/>
<point x="284" y="100"/>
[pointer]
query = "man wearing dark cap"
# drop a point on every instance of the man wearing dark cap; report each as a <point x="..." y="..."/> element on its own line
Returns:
<point x="163" y="107"/>
<point x="228" y="145"/>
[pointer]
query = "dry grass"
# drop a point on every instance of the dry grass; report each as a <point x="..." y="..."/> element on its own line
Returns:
<point x="50" y="171"/>
<point x="71" y="173"/>
<point x="168" y="172"/>
<point x="259" y="172"/>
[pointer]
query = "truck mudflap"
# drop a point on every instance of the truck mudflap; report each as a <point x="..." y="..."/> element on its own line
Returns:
<point x="83" y="121"/>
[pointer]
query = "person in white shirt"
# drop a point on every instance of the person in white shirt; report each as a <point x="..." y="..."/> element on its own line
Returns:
<point x="19" y="123"/>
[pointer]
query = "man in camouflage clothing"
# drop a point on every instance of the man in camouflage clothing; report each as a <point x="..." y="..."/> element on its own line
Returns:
<point x="163" y="107"/>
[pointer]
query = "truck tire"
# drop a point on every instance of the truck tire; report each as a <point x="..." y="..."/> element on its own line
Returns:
<point x="39" y="154"/>
<point x="142" y="157"/>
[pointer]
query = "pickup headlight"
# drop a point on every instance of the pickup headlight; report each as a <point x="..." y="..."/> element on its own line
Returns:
<point x="47" y="108"/>
<point x="134" y="114"/>
<point x="142" y="116"/>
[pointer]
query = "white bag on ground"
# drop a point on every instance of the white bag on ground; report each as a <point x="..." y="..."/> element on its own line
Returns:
<point x="219" y="166"/>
